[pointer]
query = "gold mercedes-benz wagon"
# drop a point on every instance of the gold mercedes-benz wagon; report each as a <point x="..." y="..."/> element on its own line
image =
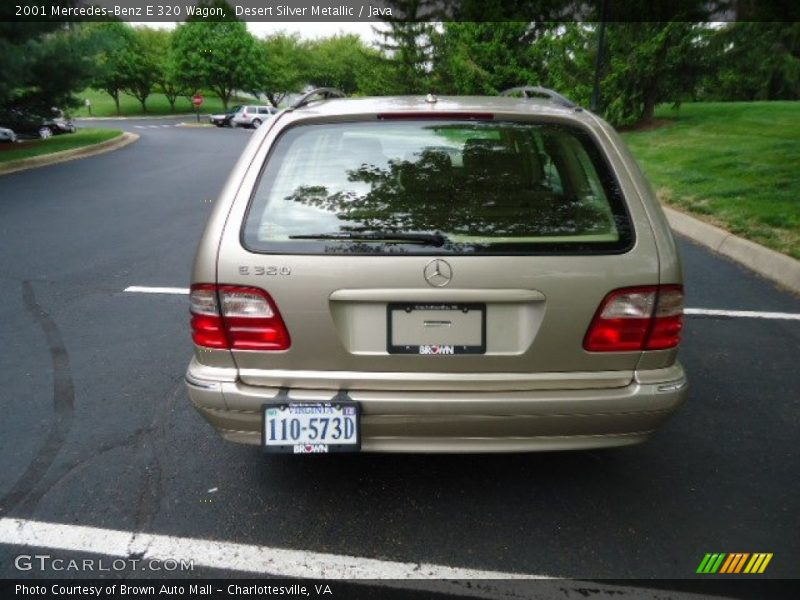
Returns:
<point x="436" y="274"/>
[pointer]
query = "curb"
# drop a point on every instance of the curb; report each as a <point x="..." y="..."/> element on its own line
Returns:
<point x="140" y="117"/>
<point x="44" y="160"/>
<point x="783" y="270"/>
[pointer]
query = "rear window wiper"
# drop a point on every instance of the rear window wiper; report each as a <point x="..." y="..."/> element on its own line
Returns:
<point x="430" y="239"/>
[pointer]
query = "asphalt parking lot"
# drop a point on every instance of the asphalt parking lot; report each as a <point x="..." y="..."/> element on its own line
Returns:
<point x="97" y="429"/>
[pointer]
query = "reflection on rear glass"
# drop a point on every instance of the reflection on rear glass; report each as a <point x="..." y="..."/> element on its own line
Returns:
<point x="485" y="186"/>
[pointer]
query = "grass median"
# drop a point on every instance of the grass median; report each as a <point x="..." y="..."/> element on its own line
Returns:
<point x="733" y="164"/>
<point x="157" y="105"/>
<point x="58" y="143"/>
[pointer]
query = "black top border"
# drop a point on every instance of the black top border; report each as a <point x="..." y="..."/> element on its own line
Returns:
<point x="375" y="11"/>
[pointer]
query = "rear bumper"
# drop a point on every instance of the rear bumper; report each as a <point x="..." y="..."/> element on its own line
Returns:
<point x="459" y="421"/>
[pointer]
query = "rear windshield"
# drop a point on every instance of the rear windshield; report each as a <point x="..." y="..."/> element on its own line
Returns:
<point x="436" y="187"/>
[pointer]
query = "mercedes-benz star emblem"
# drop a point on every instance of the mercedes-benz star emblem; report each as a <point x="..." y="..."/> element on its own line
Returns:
<point x="438" y="273"/>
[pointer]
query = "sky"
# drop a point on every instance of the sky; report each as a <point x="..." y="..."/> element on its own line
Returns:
<point x="306" y="30"/>
<point x="314" y="30"/>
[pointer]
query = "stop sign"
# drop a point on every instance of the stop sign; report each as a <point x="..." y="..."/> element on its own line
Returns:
<point x="197" y="100"/>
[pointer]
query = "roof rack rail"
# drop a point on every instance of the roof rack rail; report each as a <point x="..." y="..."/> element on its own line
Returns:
<point x="324" y="93"/>
<point x="528" y="91"/>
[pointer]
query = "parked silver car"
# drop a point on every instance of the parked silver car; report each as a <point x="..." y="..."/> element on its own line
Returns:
<point x="252" y="116"/>
<point x="459" y="274"/>
<point x="224" y="119"/>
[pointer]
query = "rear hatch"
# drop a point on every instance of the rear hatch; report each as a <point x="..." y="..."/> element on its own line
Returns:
<point x="438" y="254"/>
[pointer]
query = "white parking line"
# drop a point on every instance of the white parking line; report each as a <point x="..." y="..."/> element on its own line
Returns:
<point x="281" y="562"/>
<point x="743" y="314"/>
<point x="138" y="289"/>
<point x="703" y="312"/>
<point x="245" y="558"/>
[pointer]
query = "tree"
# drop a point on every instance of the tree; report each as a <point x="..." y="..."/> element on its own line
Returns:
<point x="61" y="65"/>
<point x="375" y="76"/>
<point x="753" y="61"/>
<point x="649" y="63"/>
<point x="168" y="80"/>
<point x="140" y="65"/>
<point x="114" y="41"/>
<point x="482" y="58"/>
<point x="408" y="44"/>
<point x="486" y="58"/>
<point x="42" y="63"/>
<point x="170" y="83"/>
<point x="336" y="62"/>
<point x="564" y="55"/>
<point x="221" y="56"/>
<point x="284" y="67"/>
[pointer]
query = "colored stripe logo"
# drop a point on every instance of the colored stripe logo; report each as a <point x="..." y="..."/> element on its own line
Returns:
<point x="734" y="563"/>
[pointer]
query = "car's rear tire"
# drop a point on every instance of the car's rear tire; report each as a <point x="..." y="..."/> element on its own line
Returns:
<point x="256" y="123"/>
<point x="45" y="132"/>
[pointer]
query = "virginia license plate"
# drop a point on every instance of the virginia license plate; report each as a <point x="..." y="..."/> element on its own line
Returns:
<point x="311" y="427"/>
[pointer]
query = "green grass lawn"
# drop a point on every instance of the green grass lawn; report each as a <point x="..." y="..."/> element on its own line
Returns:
<point x="57" y="143"/>
<point x="103" y="105"/>
<point x="735" y="164"/>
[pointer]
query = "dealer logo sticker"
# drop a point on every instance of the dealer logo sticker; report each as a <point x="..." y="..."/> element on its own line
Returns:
<point x="310" y="448"/>
<point x="437" y="350"/>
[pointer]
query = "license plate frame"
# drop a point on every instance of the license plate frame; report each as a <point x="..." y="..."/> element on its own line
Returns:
<point x="302" y="446"/>
<point x="428" y="350"/>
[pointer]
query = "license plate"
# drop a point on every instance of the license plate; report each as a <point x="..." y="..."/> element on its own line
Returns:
<point x="311" y="427"/>
<point x="436" y="329"/>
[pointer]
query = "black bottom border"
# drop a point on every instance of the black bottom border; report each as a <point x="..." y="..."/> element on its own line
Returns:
<point x="301" y="589"/>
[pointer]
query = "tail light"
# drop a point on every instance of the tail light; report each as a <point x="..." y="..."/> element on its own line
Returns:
<point x="207" y="329"/>
<point x="236" y="318"/>
<point x="637" y="318"/>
